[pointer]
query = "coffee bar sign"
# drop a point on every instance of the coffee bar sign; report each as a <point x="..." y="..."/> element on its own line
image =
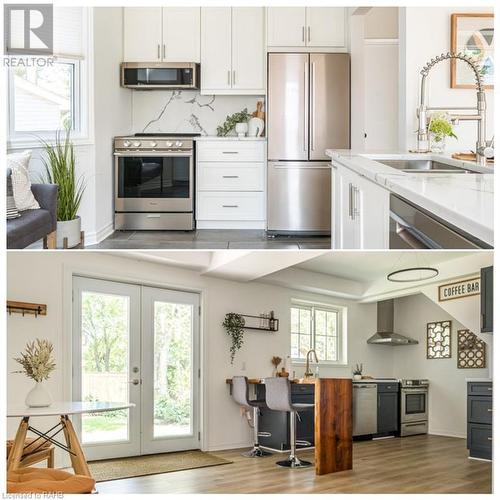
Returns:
<point x="460" y="289"/>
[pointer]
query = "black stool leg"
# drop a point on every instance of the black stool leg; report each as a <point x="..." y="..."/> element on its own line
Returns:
<point x="293" y="460"/>
<point x="256" y="451"/>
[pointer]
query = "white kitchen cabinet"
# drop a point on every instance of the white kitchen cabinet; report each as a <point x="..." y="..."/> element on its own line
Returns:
<point x="142" y="34"/>
<point x="325" y="26"/>
<point x="181" y="34"/>
<point x="152" y="34"/>
<point x="286" y="26"/>
<point x="230" y="184"/>
<point x="307" y="27"/>
<point x="360" y="211"/>
<point x="232" y="50"/>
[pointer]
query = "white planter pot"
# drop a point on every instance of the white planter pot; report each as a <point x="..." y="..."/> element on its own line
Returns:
<point x="38" y="397"/>
<point x="70" y="229"/>
<point x="356" y="377"/>
<point x="241" y="129"/>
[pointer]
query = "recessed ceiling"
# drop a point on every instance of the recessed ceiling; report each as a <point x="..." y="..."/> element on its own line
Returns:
<point x="195" y="260"/>
<point x="370" y="266"/>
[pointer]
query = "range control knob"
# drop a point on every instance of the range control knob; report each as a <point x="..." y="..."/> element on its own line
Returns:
<point x="169" y="144"/>
<point x="126" y="144"/>
<point x="153" y="144"/>
<point x="178" y="144"/>
<point x="136" y="144"/>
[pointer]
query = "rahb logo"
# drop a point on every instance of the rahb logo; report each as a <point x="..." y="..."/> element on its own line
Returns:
<point x="28" y="29"/>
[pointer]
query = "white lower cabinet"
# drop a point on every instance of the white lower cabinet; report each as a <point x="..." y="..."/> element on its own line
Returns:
<point x="230" y="184"/>
<point x="360" y="211"/>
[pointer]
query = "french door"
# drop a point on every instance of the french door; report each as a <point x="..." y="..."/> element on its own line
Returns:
<point x="140" y="345"/>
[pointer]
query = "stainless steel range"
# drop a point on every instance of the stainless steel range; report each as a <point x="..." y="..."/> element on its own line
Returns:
<point x="154" y="182"/>
<point x="414" y="407"/>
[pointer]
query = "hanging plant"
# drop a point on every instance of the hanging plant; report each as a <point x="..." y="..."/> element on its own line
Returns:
<point x="234" y="323"/>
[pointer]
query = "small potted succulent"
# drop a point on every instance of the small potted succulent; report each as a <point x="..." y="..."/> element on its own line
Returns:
<point x="38" y="363"/>
<point x="357" y="373"/>
<point x="440" y="128"/>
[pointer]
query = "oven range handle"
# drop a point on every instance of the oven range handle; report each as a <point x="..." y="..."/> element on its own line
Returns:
<point x="154" y="154"/>
<point x="416" y="389"/>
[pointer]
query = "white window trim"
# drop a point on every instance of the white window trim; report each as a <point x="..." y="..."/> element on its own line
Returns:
<point x="85" y="83"/>
<point x="341" y="333"/>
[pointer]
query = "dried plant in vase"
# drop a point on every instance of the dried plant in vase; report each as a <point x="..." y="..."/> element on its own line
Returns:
<point x="358" y="372"/>
<point x="38" y="363"/>
<point x="276" y="361"/>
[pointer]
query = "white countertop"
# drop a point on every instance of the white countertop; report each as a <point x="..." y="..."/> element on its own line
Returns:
<point x="67" y="408"/>
<point x="464" y="200"/>
<point x="228" y="138"/>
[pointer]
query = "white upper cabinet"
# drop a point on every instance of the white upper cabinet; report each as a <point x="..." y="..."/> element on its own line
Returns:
<point x="232" y="50"/>
<point x="286" y="27"/>
<point x="325" y="26"/>
<point x="152" y="34"/>
<point x="216" y="70"/>
<point x="311" y="27"/>
<point x="248" y="48"/>
<point x="142" y="34"/>
<point x="181" y="34"/>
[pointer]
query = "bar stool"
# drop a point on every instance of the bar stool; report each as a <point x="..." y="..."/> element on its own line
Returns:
<point x="240" y="395"/>
<point x="279" y="397"/>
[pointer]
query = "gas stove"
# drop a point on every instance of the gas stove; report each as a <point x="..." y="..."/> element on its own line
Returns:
<point x="155" y="142"/>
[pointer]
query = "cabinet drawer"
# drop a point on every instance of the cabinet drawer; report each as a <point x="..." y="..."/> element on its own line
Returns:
<point x="480" y="440"/>
<point x="230" y="206"/>
<point x="245" y="176"/>
<point x="480" y="388"/>
<point x="480" y="409"/>
<point x="230" y="151"/>
<point x="392" y="387"/>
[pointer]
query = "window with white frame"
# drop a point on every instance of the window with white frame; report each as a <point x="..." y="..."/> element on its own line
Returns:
<point x="318" y="327"/>
<point x="47" y="97"/>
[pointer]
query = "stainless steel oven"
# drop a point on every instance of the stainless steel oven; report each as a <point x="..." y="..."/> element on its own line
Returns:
<point x="414" y="407"/>
<point x="154" y="182"/>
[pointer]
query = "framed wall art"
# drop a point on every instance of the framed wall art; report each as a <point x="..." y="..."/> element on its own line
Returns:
<point x="472" y="34"/>
<point x="439" y="340"/>
<point x="471" y="351"/>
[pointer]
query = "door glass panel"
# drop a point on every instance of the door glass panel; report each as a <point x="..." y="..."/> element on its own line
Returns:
<point x="415" y="403"/>
<point x="105" y="361"/>
<point x="153" y="177"/>
<point x="173" y="365"/>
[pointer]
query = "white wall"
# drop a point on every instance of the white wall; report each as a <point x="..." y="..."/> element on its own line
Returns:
<point x="382" y="22"/>
<point x="45" y="274"/>
<point x="447" y="388"/>
<point x="427" y="34"/>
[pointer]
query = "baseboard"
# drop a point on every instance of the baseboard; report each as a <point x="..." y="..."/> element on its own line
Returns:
<point x="229" y="446"/>
<point x="437" y="432"/>
<point x="103" y="233"/>
<point x="230" y="224"/>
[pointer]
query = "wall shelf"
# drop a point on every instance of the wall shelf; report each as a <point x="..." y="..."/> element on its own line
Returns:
<point x="265" y="322"/>
<point x="26" y="308"/>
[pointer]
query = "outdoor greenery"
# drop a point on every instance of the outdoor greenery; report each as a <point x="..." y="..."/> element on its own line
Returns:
<point x="60" y="169"/>
<point x="231" y="121"/>
<point x="37" y="360"/>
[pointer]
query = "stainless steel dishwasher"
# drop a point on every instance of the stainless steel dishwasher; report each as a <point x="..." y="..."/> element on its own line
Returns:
<point x="364" y="409"/>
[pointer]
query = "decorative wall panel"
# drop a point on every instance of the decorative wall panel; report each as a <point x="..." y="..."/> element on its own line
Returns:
<point x="439" y="340"/>
<point x="471" y="351"/>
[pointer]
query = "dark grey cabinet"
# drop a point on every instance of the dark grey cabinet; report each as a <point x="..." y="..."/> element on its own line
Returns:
<point x="487" y="299"/>
<point x="480" y="419"/>
<point x="387" y="408"/>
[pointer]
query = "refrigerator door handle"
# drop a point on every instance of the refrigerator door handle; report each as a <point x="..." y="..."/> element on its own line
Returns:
<point x="313" y="103"/>
<point x="306" y="92"/>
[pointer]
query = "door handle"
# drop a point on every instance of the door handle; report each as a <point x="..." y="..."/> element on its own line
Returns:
<point x="134" y="381"/>
<point x="306" y="91"/>
<point x="313" y="103"/>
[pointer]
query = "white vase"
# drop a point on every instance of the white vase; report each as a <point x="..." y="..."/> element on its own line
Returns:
<point x="70" y="229"/>
<point x="38" y="397"/>
<point x="241" y="129"/>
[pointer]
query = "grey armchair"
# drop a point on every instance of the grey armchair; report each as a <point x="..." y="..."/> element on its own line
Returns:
<point x="33" y="225"/>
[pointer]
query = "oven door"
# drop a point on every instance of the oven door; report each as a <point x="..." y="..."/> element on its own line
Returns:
<point x="414" y="405"/>
<point x="152" y="182"/>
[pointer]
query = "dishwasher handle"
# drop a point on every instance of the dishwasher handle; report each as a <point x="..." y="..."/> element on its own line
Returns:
<point x="411" y="235"/>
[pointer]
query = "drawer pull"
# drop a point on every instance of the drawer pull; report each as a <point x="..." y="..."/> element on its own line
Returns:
<point x="490" y="388"/>
<point x="230" y="176"/>
<point x="230" y="152"/>
<point x="230" y="206"/>
<point x="490" y="409"/>
<point x="153" y="216"/>
<point x="490" y="439"/>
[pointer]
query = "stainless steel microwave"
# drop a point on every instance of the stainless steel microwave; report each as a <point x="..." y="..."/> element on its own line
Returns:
<point x="161" y="75"/>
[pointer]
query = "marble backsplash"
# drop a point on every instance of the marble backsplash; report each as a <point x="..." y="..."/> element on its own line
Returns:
<point x="185" y="110"/>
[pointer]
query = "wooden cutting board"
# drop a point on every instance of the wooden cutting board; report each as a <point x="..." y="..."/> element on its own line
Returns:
<point x="259" y="113"/>
<point x="469" y="157"/>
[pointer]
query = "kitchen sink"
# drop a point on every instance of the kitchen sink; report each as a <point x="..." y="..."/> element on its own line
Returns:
<point x="424" y="166"/>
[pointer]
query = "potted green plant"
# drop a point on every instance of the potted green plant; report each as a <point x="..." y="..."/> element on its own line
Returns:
<point x="38" y="363"/>
<point x="440" y="127"/>
<point x="234" y="324"/>
<point x="357" y="373"/>
<point x="241" y="117"/>
<point x="60" y="169"/>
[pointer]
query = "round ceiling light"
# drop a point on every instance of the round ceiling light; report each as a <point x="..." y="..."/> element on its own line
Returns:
<point x="411" y="274"/>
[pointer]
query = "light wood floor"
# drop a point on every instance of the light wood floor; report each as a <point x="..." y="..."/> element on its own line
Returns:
<point x="416" y="464"/>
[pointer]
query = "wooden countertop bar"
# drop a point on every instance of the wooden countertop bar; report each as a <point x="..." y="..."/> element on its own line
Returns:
<point x="332" y="422"/>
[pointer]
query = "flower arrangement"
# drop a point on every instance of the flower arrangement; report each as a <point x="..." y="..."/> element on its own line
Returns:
<point x="440" y="127"/>
<point x="234" y="323"/>
<point x="276" y="361"/>
<point x="37" y="360"/>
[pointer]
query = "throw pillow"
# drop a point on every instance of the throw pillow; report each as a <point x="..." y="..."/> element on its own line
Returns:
<point x="21" y="185"/>
<point x="12" y="211"/>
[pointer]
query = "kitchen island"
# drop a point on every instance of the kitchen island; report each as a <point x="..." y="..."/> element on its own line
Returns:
<point x="365" y="191"/>
<point x="332" y="422"/>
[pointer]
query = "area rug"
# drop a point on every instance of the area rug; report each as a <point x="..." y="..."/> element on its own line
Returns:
<point x="121" y="468"/>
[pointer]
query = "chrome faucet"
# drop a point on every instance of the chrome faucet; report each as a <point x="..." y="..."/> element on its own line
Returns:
<point x="308" y="372"/>
<point x="483" y="151"/>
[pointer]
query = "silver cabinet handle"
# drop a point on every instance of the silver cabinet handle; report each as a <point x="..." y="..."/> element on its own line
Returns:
<point x="230" y="176"/>
<point x="229" y="77"/>
<point x="490" y="409"/>
<point x="134" y="381"/>
<point x="159" y="57"/>
<point x="230" y="152"/>
<point x="490" y="439"/>
<point x="164" y="51"/>
<point x="308" y="33"/>
<point x="230" y="206"/>
<point x="490" y="388"/>
<point x="306" y="91"/>
<point x="313" y="103"/>
<point x="355" y="204"/>
<point x="350" y="200"/>
<point x="234" y="77"/>
<point x="303" y="33"/>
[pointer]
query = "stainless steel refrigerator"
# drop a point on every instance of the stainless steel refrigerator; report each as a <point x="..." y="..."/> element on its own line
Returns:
<point x="307" y="112"/>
